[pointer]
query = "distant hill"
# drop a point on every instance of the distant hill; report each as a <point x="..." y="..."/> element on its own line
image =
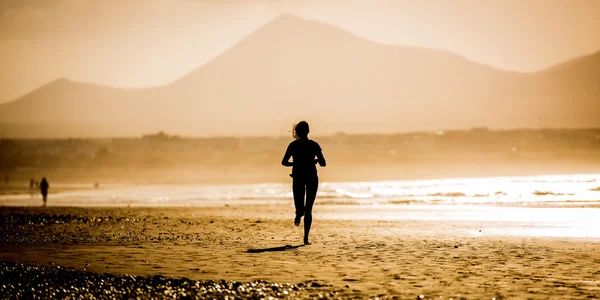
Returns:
<point x="292" y="69"/>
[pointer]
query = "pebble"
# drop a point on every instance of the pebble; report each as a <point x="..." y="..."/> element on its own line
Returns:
<point x="24" y="281"/>
<point x="46" y="228"/>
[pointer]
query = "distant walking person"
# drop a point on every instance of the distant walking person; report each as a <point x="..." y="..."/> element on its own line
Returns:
<point x="305" y="153"/>
<point x="44" y="186"/>
<point x="32" y="187"/>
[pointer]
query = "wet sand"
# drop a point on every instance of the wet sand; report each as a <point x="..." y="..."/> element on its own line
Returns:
<point x="350" y="256"/>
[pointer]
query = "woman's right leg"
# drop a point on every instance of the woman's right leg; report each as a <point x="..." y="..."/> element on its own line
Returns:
<point x="299" y="189"/>
<point x="312" y="185"/>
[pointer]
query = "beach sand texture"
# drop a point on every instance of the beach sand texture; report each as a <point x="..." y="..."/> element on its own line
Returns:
<point x="355" y="257"/>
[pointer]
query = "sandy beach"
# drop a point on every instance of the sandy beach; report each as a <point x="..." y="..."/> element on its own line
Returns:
<point x="351" y="256"/>
<point x="168" y="149"/>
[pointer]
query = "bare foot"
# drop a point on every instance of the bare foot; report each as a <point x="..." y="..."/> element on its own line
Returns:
<point x="306" y="242"/>
<point x="297" y="220"/>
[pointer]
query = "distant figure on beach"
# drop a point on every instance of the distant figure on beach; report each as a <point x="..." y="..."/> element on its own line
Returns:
<point x="32" y="187"/>
<point x="44" y="186"/>
<point x="305" y="153"/>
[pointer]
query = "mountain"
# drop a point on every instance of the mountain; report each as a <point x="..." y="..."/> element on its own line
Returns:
<point x="292" y="69"/>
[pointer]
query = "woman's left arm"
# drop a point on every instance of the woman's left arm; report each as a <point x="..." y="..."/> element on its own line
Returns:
<point x="321" y="159"/>
<point x="286" y="158"/>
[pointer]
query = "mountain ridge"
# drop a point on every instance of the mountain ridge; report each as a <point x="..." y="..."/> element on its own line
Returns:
<point x="560" y="64"/>
<point x="257" y="86"/>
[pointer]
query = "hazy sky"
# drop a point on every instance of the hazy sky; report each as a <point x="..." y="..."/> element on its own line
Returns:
<point x="137" y="43"/>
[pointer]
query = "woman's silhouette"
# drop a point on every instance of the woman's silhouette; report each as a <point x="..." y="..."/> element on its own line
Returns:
<point x="305" y="154"/>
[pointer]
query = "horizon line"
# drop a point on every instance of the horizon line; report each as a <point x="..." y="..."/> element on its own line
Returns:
<point x="437" y="132"/>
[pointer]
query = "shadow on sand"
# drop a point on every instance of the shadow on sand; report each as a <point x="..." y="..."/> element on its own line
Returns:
<point x="273" y="249"/>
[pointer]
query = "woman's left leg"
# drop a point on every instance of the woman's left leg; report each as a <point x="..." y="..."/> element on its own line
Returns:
<point x="298" y="189"/>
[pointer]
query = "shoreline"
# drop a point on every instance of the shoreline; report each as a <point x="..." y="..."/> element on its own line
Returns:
<point x="499" y="220"/>
<point x="282" y="178"/>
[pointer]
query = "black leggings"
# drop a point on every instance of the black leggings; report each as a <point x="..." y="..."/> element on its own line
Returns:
<point x="300" y="187"/>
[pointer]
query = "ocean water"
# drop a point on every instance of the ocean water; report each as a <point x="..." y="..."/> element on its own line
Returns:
<point x="581" y="190"/>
